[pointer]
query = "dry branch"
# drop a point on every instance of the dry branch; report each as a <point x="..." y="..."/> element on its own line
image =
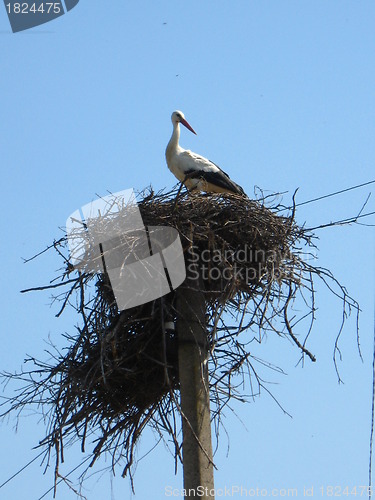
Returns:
<point x="120" y="371"/>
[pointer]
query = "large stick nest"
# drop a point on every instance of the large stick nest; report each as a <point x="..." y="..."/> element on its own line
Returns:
<point x="120" y="371"/>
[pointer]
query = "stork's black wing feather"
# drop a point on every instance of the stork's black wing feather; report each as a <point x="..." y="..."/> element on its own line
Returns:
<point x="238" y="188"/>
<point x="220" y="179"/>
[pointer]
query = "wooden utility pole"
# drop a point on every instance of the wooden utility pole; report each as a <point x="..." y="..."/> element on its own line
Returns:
<point x="193" y="352"/>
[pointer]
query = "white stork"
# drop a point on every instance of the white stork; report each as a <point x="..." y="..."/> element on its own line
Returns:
<point x="195" y="171"/>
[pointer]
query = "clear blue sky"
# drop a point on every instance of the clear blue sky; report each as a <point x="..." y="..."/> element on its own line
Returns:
<point x="281" y="95"/>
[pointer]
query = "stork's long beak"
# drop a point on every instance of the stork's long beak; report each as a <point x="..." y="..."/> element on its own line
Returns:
<point x="185" y="123"/>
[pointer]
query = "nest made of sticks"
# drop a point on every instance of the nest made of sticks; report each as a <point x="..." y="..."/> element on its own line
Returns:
<point x="120" y="371"/>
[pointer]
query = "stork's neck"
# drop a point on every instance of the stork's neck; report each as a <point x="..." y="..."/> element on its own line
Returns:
<point x="173" y="144"/>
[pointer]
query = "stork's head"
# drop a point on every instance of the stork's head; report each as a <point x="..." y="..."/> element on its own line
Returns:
<point x="179" y="117"/>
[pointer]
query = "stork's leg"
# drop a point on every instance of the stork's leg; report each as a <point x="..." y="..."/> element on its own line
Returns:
<point x="177" y="195"/>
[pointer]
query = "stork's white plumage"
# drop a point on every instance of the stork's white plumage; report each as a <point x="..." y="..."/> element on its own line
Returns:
<point x="195" y="171"/>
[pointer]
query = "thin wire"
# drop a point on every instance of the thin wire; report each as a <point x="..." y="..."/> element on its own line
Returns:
<point x="22" y="469"/>
<point x="335" y="193"/>
<point x="342" y="221"/>
<point x="332" y="194"/>
<point x="372" y="416"/>
<point x="33" y="460"/>
<point x="60" y="480"/>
